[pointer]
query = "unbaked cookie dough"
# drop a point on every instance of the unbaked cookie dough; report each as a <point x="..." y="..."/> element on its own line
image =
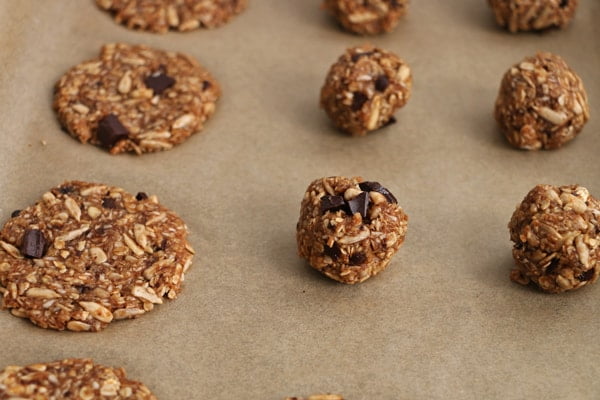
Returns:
<point x="87" y="254"/>
<point x="367" y="17"/>
<point x="135" y="99"/>
<point x="364" y="88"/>
<point x="542" y="103"/>
<point x="160" y="16"/>
<point x="349" y="229"/>
<point x="556" y="236"/>
<point x="533" y="15"/>
<point x="70" y="379"/>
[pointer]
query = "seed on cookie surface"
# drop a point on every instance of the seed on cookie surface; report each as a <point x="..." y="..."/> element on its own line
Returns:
<point x="128" y="255"/>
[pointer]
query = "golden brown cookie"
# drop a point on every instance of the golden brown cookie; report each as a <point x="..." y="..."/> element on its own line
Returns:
<point x="364" y="88"/>
<point x="349" y="229"/>
<point x="70" y="379"/>
<point x="135" y="99"/>
<point x="87" y="254"/>
<point x="556" y="236"/>
<point x="533" y="15"/>
<point x="160" y="16"/>
<point x="542" y="103"/>
<point x="367" y="17"/>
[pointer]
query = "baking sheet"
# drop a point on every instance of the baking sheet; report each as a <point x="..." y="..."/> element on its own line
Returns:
<point x="254" y="321"/>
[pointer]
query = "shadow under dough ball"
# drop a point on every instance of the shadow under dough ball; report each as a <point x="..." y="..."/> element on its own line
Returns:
<point x="556" y="236"/>
<point x="533" y="15"/>
<point x="364" y="88"/>
<point x="367" y="17"/>
<point x="349" y="229"/>
<point x="542" y="103"/>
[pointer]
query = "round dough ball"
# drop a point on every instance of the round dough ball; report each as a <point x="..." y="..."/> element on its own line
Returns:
<point x="556" y="235"/>
<point x="533" y="15"/>
<point x="367" y="17"/>
<point x="349" y="229"/>
<point x="364" y="88"/>
<point x="541" y="104"/>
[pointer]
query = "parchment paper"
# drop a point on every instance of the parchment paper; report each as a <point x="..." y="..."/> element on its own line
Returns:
<point x="254" y="321"/>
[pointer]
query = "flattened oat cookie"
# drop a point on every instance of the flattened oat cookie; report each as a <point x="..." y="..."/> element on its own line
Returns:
<point x="135" y="99"/>
<point x="160" y="16"/>
<point x="87" y="254"/>
<point x="70" y="379"/>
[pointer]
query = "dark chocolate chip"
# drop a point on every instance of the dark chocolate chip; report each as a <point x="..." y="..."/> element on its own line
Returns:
<point x="390" y="121"/>
<point x="109" y="202"/>
<point x="159" y="82"/>
<point x="376" y="187"/>
<point x="333" y="252"/>
<point x="357" y="259"/>
<point x="141" y="196"/>
<point x="359" y="204"/>
<point x="587" y="275"/>
<point x="206" y="85"/>
<point x="66" y="189"/>
<point x="358" y="100"/>
<point x="332" y="203"/>
<point x="356" y="56"/>
<point x="552" y="267"/>
<point x="564" y="3"/>
<point x="381" y="83"/>
<point x="15" y="213"/>
<point x="110" y="131"/>
<point x="34" y="243"/>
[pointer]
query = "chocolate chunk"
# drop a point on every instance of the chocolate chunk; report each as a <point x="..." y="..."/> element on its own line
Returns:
<point x="358" y="100"/>
<point x="381" y="83"/>
<point x="110" y="131"/>
<point x="390" y="121"/>
<point x="357" y="259"/>
<point x="109" y="202"/>
<point x="587" y="275"/>
<point x="15" y="213"/>
<point x="66" y="189"/>
<point x="206" y="85"/>
<point x="359" y="204"/>
<point x="333" y="252"/>
<point x="376" y="187"/>
<point x="563" y="4"/>
<point x="141" y="196"/>
<point x="34" y="243"/>
<point x="553" y="266"/>
<point x="332" y="203"/>
<point x="159" y="82"/>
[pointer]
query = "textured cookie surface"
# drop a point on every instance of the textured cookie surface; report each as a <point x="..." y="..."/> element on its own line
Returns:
<point x="349" y="229"/>
<point x="533" y="15"/>
<point x="163" y="15"/>
<point x="87" y="254"/>
<point x="542" y="103"/>
<point x="135" y="99"/>
<point x="70" y="379"/>
<point x="556" y="236"/>
<point x="367" y="17"/>
<point x="364" y="88"/>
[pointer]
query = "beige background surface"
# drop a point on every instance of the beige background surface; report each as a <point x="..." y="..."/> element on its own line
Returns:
<point x="253" y="321"/>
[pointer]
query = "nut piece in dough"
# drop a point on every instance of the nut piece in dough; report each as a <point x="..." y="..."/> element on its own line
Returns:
<point x="367" y="17"/>
<point x="542" y="103"/>
<point x="70" y="379"/>
<point x="349" y="229"/>
<point x="364" y="88"/>
<point x="133" y="98"/>
<point x="160" y="16"/>
<point x="556" y="236"/>
<point x="533" y="15"/>
<point x="88" y="254"/>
